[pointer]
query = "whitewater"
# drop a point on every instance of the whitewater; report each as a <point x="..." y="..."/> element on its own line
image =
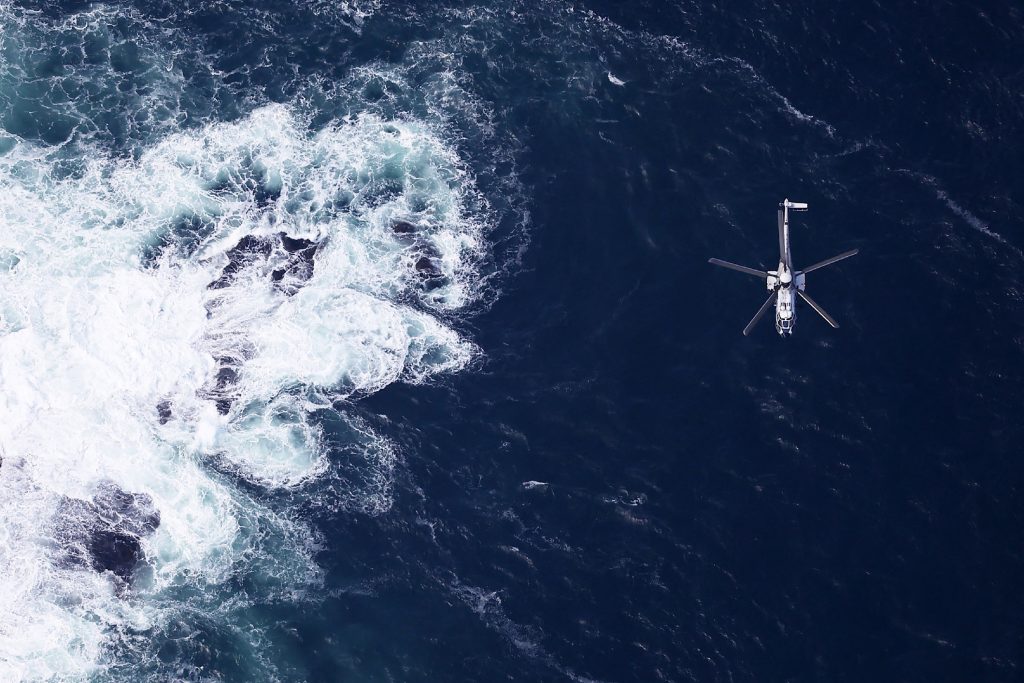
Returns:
<point x="179" y="327"/>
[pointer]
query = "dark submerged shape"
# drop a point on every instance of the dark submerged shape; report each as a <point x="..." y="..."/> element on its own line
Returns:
<point x="106" y="532"/>
<point x="277" y="257"/>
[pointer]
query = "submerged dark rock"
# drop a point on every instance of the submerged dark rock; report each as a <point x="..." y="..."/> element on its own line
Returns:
<point x="163" y="411"/>
<point x="115" y="552"/>
<point x="292" y="244"/>
<point x="248" y="250"/>
<point x="299" y="266"/>
<point x="403" y="228"/>
<point x="426" y="267"/>
<point x="287" y="261"/>
<point x="223" y="394"/>
<point x="223" y="389"/>
<point x="224" y="404"/>
<point x="106" y="532"/>
<point x="131" y="512"/>
<point x="226" y="376"/>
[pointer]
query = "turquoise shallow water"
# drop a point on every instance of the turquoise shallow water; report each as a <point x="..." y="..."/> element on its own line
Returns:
<point x="376" y="341"/>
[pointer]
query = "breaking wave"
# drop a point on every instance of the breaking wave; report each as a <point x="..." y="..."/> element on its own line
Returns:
<point x="187" y="324"/>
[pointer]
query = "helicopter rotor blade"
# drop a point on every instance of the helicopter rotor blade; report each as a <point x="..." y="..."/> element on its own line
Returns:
<point x="737" y="267"/>
<point x="830" y="261"/>
<point x="760" y="313"/>
<point x="821" y="311"/>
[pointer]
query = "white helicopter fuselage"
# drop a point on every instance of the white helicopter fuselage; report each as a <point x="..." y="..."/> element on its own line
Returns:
<point x="782" y="280"/>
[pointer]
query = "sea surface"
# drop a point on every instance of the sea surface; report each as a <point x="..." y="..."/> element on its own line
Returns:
<point x="359" y="340"/>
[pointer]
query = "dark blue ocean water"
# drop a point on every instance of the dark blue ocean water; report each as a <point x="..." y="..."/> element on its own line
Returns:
<point x="621" y="487"/>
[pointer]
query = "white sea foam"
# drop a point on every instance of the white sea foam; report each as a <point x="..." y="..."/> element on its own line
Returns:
<point x="98" y="74"/>
<point x="106" y="313"/>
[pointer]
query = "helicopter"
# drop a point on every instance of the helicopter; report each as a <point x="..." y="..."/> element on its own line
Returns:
<point x="784" y="283"/>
